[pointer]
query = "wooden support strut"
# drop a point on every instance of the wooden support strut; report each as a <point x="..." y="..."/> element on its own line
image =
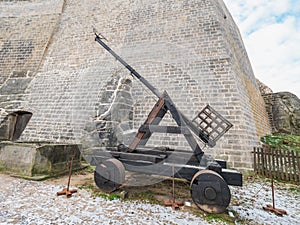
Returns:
<point x="154" y="117"/>
<point x="181" y="122"/>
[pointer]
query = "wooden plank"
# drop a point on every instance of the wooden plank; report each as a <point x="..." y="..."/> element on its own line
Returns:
<point x="269" y="166"/>
<point x="163" y="129"/>
<point x="289" y="165"/>
<point x="292" y="165"/>
<point x="281" y="156"/>
<point x="254" y="159"/>
<point x="273" y="163"/>
<point x="266" y="162"/>
<point x="298" y="164"/>
<point x="285" y="165"/>
<point x="142" y="157"/>
<point x="150" y="120"/>
<point x="289" y="168"/>
<point x="232" y="178"/>
<point x="277" y="163"/>
<point x="263" y="161"/>
<point x="258" y="161"/>
<point x="293" y="156"/>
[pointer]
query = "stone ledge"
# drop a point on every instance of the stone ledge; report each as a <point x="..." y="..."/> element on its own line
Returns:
<point x="38" y="160"/>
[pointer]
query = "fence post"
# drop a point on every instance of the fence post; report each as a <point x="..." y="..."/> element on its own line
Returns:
<point x="262" y="161"/>
<point x="277" y="164"/>
<point x="290" y="165"/>
<point x="258" y="161"/>
<point x="281" y="164"/>
<point x="286" y="162"/>
<point x="298" y="162"/>
<point x="269" y="167"/>
<point x="294" y="166"/>
<point x="273" y="163"/>
<point x="254" y="159"/>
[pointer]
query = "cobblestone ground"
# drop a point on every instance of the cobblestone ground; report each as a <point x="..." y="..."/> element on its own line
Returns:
<point x="31" y="202"/>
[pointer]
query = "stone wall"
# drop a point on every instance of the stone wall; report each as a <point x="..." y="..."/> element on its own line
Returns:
<point x="38" y="160"/>
<point x="25" y="32"/>
<point x="284" y="112"/>
<point x="191" y="48"/>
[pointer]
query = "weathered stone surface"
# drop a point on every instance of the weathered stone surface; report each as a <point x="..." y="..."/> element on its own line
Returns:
<point x="4" y="130"/>
<point x="13" y="125"/>
<point x="192" y="49"/>
<point x="112" y="127"/>
<point x="15" y="86"/>
<point x="37" y="159"/>
<point x="264" y="89"/>
<point x="284" y="112"/>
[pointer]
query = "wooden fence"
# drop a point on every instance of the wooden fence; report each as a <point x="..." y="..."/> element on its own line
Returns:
<point x="281" y="164"/>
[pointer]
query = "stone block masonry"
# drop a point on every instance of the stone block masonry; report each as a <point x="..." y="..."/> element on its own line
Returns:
<point x="38" y="160"/>
<point x="191" y="48"/>
<point x="26" y="28"/>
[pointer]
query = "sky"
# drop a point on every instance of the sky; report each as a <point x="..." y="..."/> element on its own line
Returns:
<point x="271" y="34"/>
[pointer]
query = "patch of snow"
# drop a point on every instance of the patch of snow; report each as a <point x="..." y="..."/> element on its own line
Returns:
<point x="31" y="202"/>
<point x="248" y="202"/>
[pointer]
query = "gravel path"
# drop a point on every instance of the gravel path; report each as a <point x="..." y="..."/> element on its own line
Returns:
<point x="30" y="202"/>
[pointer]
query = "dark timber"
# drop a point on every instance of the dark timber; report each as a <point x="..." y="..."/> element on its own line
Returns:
<point x="209" y="178"/>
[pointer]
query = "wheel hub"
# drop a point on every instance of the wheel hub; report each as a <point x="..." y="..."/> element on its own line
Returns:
<point x="210" y="193"/>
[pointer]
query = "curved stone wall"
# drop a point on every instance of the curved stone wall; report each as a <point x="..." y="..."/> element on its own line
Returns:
<point x="25" y="31"/>
<point x="191" y="48"/>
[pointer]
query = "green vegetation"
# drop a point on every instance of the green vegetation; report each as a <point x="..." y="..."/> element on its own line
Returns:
<point x="87" y="186"/>
<point x="295" y="189"/>
<point x="288" y="142"/>
<point x="223" y="218"/>
<point x="90" y="169"/>
<point x="220" y="218"/>
<point x="111" y="196"/>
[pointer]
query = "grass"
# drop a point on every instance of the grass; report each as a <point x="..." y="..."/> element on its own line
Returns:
<point x="283" y="141"/>
<point x="220" y="218"/>
<point x="295" y="189"/>
<point x="112" y="196"/>
<point x="90" y="169"/>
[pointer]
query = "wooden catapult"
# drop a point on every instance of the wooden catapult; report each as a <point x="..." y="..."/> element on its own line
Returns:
<point x="209" y="178"/>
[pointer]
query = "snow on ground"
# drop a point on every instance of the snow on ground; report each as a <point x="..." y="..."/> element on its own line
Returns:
<point x="31" y="202"/>
<point x="247" y="203"/>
